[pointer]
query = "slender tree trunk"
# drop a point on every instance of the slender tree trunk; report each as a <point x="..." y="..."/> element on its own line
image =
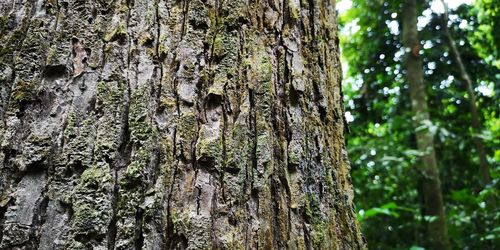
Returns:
<point x="430" y="181"/>
<point x="195" y="124"/>
<point x="476" y="121"/>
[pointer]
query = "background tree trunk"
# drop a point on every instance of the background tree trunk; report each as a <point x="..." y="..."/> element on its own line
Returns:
<point x="430" y="184"/>
<point x="172" y="125"/>
<point x="475" y="116"/>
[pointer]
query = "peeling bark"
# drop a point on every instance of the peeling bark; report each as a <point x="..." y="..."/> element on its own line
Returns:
<point x="172" y="124"/>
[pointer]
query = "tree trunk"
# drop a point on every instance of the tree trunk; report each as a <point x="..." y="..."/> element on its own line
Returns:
<point x="475" y="117"/>
<point x="195" y="124"/>
<point x="430" y="185"/>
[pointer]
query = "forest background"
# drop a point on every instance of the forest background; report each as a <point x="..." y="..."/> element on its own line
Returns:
<point x="463" y="120"/>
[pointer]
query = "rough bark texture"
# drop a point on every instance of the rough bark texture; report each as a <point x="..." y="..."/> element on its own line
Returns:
<point x="429" y="184"/>
<point x="475" y="116"/>
<point x="172" y="124"/>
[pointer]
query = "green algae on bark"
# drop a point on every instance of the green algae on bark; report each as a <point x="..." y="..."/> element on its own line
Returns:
<point x="173" y="125"/>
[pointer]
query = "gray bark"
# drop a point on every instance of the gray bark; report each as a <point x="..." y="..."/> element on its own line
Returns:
<point x="172" y="125"/>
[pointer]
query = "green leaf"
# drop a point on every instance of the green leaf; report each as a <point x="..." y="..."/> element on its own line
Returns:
<point x="416" y="248"/>
<point x="386" y="209"/>
<point x="430" y="218"/>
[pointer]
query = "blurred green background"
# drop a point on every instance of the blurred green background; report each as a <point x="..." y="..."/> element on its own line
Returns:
<point x="381" y="143"/>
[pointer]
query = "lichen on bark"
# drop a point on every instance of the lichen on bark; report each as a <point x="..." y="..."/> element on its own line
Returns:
<point x="172" y="125"/>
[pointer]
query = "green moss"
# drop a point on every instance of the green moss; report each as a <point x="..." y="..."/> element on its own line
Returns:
<point x="39" y="139"/>
<point x="168" y="103"/>
<point x="23" y="91"/>
<point x="70" y="130"/>
<point x="293" y="158"/>
<point x="209" y="145"/>
<point x="318" y="235"/>
<point x="145" y="39"/>
<point x="217" y="89"/>
<point x="104" y="147"/>
<point x="94" y="176"/>
<point x="123" y="8"/>
<point x="108" y="48"/>
<point x="3" y="23"/>
<point x="151" y="13"/>
<point x="110" y="98"/>
<point x="117" y="33"/>
<point x="180" y="223"/>
<point x="329" y="181"/>
<point x="142" y="132"/>
<point x="294" y="154"/>
<point x="188" y="125"/>
<point x="209" y="148"/>
<point x="139" y="127"/>
<point x="238" y="147"/>
<point x="51" y="55"/>
<point x="5" y="54"/>
<point x="226" y="47"/>
<point x="318" y="224"/>
<point x="163" y="38"/>
<point x="17" y="35"/>
<point x="262" y="70"/>
<point x="135" y="170"/>
<point x="294" y="10"/>
<point x="91" y="202"/>
<point x="109" y="93"/>
<point x="162" y="49"/>
<point x="265" y="71"/>
<point x="78" y="136"/>
<point x="264" y="148"/>
<point x="218" y="46"/>
<point x="236" y="10"/>
<point x="84" y="216"/>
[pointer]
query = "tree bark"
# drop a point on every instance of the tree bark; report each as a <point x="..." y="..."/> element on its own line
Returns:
<point x="430" y="184"/>
<point x="173" y="124"/>
<point x="475" y="117"/>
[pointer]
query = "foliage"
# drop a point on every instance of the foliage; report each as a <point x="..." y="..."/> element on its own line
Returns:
<point x="382" y="143"/>
<point x="485" y="38"/>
